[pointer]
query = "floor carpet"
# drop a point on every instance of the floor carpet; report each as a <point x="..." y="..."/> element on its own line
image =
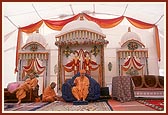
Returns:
<point x="62" y="106"/>
<point x="111" y="105"/>
<point x="154" y="104"/>
<point x="23" y="106"/>
<point x="57" y="106"/>
<point x="128" y="106"/>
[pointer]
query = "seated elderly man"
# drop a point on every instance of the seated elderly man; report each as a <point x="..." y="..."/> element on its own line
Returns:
<point x="49" y="94"/>
<point x="29" y="83"/>
<point x="80" y="90"/>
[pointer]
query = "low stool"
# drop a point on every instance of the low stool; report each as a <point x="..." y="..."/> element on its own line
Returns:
<point x="80" y="102"/>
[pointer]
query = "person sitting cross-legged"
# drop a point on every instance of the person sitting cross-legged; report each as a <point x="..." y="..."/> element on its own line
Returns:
<point x="81" y="88"/>
<point x="49" y="94"/>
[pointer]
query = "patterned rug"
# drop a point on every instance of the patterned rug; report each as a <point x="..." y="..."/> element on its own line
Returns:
<point x="155" y="104"/>
<point x="63" y="106"/>
<point x="57" y="106"/>
<point x="23" y="106"/>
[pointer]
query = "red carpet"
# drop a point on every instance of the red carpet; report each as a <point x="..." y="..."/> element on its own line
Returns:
<point x="155" y="104"/>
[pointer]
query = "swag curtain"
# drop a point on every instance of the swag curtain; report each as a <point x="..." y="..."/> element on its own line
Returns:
<point x="132" y="61"/>
<point x="104" y="23"/>
<point x="34" y="65"/>
<point x="58" y="25"/>
<point x="127" y="65"/>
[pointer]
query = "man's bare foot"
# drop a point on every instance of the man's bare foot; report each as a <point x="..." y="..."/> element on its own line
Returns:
<point x="18" y="103"/>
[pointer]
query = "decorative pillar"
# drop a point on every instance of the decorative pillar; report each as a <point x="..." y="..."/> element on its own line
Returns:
<point x="46" y="79"/>
<point x="102" y="67"/>
<point x="119" y="65"/>
<point x="147" y="66"/>
<point x="77" y="34"/>
<point x="20" y="70"/>
<point x="59" y="78"/>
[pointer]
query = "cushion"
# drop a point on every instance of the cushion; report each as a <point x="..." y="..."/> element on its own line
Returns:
<point x="12" y="86"/>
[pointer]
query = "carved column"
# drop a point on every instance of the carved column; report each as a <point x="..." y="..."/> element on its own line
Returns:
<point x="59" y="77"/>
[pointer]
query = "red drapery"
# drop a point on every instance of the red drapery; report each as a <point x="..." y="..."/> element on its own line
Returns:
<point x="33" y="66"/>
<point x="132" y="61"/>
<point x="58" y="25"/>
<point x="104" y="23"/>
<point x="126" y="65"/>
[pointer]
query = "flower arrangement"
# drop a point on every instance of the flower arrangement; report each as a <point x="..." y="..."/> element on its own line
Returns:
<point x="67" y="51"/>
<point x="95" y="50"/>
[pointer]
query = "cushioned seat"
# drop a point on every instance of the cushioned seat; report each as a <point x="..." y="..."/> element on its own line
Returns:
<point x="150" y="86"/>
<point x="94" y="89"/>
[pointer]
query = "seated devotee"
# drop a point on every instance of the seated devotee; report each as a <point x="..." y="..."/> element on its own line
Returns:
<point x="29" y="84"/>
<point x="49" y="94"/>
<point x="80" y="90"/>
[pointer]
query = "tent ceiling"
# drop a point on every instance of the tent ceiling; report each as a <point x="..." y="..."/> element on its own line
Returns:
<point x="25" y="13"/>
<point x="20" y="14"/>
